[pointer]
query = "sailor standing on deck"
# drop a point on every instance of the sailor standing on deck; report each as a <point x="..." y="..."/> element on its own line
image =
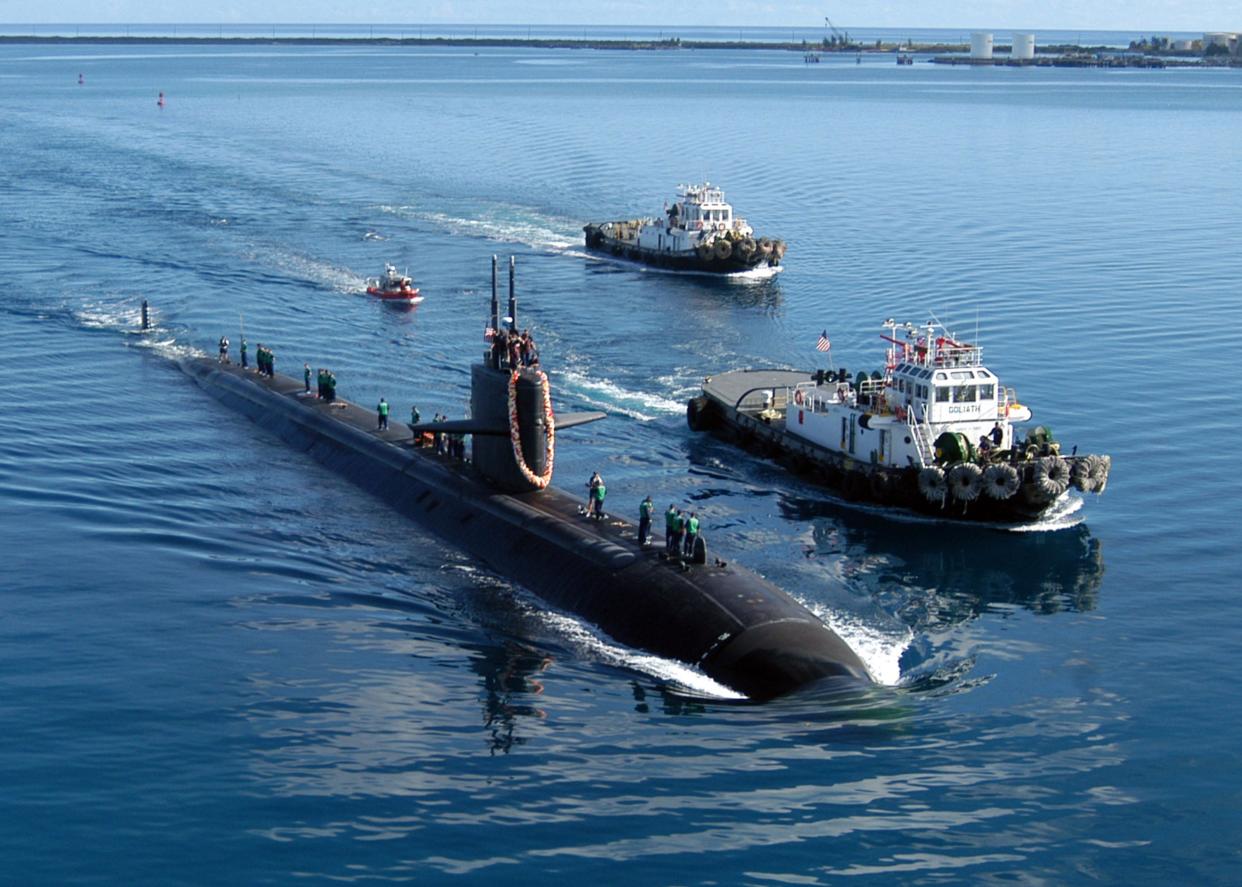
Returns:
<point x="670" y="522"/>
<point x="224" y="349"/>
<point x="598" y="491"/>
<point x="306" y="376"/>
<point x="644" y="521"/>
<point x="679" y="531"/>
<point x="245" y="362"/>
<point x="692" y="533"/>
<point x="382" y="409"/>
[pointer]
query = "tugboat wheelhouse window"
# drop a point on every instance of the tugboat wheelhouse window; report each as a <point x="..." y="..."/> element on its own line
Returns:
<point x="942" y="394"/>
<point x="964" y="394"/>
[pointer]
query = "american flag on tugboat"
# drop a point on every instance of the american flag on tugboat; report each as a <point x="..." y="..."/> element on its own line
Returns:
<point x="823" y="344"/>
<point x="488" y="334"/>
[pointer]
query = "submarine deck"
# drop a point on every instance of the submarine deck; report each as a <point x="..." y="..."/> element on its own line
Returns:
<point x="552" y="502"/>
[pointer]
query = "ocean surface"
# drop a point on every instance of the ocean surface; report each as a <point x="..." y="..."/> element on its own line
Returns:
<point x="222" y="664"/>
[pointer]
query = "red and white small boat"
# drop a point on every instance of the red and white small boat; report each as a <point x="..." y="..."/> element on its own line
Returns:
<point x="395" y="286"/>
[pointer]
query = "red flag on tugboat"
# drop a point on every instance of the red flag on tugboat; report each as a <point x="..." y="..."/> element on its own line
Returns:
<point x="823" y="344"/>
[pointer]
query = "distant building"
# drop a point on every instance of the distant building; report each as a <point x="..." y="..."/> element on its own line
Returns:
<point x="1182" y="45"/>
<point x="1219" y="38"/>
<point x="981" y="45"/>
<point x="1023" y="47"/>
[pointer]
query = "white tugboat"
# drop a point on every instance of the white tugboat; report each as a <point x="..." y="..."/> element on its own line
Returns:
<point x="699" y="232"/>
<point x="394" y="286"/>
<point x="934" y="432"/>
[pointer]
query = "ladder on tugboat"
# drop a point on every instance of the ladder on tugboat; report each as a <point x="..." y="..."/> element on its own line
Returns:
<point x="920" y="433"/>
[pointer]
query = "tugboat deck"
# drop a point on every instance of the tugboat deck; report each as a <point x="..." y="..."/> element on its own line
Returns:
<point x="745" y="388"/>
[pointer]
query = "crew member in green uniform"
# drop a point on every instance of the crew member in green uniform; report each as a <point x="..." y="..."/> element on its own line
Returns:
<point x="679" y="532"/>
<point x="598" y="491"/>
<point x="382" y="409"/>
<point x="245" y="362"/>
<point x="692" y="533"/>
<point x="670" y="521"/>
<point x="644" y="521"/>
<point x="306" y="376"/>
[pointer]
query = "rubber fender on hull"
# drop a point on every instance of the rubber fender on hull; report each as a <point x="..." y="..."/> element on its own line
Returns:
<point x="698" y="414"/>
<point x="965" y="481"/>
<point x="1001" y="481"/>
<point x="1052" y="476"/>
<point x="722" y="248"/>
<point x="932" y="484"/>
<point x="1099" y="470"/>
<point x="1080" y="476"/>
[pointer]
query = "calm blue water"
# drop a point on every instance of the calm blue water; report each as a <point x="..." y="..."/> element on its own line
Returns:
<point x="220" y="663"/>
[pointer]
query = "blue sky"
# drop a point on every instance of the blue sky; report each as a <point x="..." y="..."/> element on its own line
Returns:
<point x="1108" y="15"/>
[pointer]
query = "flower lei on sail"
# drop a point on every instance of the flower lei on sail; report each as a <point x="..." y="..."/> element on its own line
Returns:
<point x="538" y="481"/>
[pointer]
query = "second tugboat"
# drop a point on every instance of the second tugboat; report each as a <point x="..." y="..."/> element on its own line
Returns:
<point x="697" y="233"/>
<point x="933" y="433"/>
<point x="394" y="286"/>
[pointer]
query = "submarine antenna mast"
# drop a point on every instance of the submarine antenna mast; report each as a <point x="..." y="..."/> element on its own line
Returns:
<point x="495" y="299"/>
<point x="512" y="298"/>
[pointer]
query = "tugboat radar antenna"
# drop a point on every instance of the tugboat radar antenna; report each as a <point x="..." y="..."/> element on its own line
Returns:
<point x="512" y="298"/>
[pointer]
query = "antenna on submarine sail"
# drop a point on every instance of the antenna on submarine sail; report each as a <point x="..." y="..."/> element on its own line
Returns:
<point x="515" y="398"/>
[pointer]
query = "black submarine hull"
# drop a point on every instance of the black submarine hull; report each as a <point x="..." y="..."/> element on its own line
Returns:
<point x="737" y="627"/>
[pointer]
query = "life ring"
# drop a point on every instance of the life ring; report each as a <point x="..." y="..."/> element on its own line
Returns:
<point x="798" y="397"/>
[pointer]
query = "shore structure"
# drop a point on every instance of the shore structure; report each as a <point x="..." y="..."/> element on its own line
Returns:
<point x="934" y="432"/>
<point x="500" y="507"/>
<point x="1059" y="55"/>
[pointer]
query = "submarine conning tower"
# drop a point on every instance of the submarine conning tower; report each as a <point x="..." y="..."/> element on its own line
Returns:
<point x="515" y="397"/>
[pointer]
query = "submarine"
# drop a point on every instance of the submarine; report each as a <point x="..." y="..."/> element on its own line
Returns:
<point x="501" y="508"/>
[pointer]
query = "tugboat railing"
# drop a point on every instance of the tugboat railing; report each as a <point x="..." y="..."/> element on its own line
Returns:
<point x="770" y="398"/>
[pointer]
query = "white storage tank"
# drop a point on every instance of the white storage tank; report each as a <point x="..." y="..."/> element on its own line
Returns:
<point x="1023" y="47"/>
<point x="981" y="45"/>
<point x="1183" y="45"/>
<point x="1217" y="39"/>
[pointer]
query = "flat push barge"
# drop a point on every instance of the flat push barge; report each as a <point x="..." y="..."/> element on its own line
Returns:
<point x="933" y="433"/>
<point x="698" y="233"/>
